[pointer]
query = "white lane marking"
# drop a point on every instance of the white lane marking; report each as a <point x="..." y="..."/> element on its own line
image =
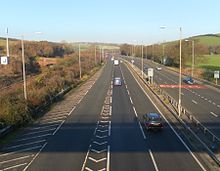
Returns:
<point x="58" y="127"/>
<point x="98" y="151"/>
<point x="96" y="161"/>
<point x="202" y="97"/>
<point x="29" y="138"/>
<point x="213" y="103"/>
<point x="192" y="154"/>
<point x="53" y="122"/>
<point x="95" y="142"/>
<point x="109" y="128"/>
<point x="71" y="111"/>
<point x="52" y="119"/>
<point x="154" y="162"/>
<point x="135" y="112"/>
<point x="22" y="145"/>
<point x="15" y="159"/>
<point x="84" y="163"/>
<point x="199" y="95"/>
<point x="16" y="166"/>
<point x="195" y="102"/>
<point x="218" y="106"/>
<point x="35" y="157"/>
<point x="126" y="86"/>
<point x="110" y="110"/>
<point x="108" y="159"/>
<point x="131" y="101"/>
<point x="23" y="150"/>
<point x="128" y="92"/>
<point x="193" y="92"/>
<point x="142" y="130"/>
<point x="206" y="99"/>
<point x="212" y="113"/>
<point x="182" y="94"/>
<point x="44" y="127"/>
<point x="37" y="132"/>
<point x="210" y="101"/>
<point x="88" y="169"/>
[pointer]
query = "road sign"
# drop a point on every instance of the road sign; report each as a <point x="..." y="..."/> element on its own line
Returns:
<point x="150" y="72"/>
<point x="216" y="74"/>
<point x="4" y="60"/>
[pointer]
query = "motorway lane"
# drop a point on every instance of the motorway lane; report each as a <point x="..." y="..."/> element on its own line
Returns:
<point x="194" y="100"/>
<point x="67" y="149"/>
<point x="128" y="146"/>
<point x="168" y="150"/>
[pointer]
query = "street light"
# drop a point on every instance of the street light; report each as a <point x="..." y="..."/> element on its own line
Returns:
<point x="80" y="70"/>
<point x="23" y="65"/>
<point x="193" y="56"/>
<point x="142" y="63"/>
<point x="180" y="68"/>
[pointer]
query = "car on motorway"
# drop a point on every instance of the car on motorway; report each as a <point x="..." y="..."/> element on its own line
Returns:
<point x="158" y="68"/>
<point x="117" y="81"/>
<point x="188" y="80"/>
<point x="153" y="121"/>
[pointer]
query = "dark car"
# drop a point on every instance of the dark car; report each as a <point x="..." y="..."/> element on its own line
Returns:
<point x="117" y="81"/>
<point x="188" y="80"/>
<point x="153" y="121"/>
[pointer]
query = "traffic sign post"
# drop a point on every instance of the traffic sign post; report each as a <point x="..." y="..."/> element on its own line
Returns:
<point x="216" y="76"/>
<point x="150" y="74"/>
<point x="4" y="60"/>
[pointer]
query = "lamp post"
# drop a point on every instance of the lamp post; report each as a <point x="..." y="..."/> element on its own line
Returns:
<point x="180" y="69"/>
<point x="23" y="68"/>
<point x="142" y="61"/>
<point x="95" y="56"/>
<point x="80" y="70"/>
<point x="23" y="65"/>
<point x="180" y="73"/>
<point x="193" y="56"/>
<point x="7" y="44"/>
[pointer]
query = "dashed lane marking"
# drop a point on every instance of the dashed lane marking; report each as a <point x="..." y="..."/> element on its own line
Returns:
<point x="212" y="113"/>
<point x="194" y="102"/>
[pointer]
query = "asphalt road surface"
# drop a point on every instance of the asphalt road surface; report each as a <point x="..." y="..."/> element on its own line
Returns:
<point x="99" y="128"/>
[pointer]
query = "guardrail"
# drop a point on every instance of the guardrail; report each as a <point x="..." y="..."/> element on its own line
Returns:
<point x="174" y="104"/>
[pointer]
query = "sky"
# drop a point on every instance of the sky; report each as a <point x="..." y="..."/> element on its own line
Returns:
<point x="109" y="21"/>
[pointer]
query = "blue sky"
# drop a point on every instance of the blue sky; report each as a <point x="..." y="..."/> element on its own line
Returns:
<point x="116" y="21"/>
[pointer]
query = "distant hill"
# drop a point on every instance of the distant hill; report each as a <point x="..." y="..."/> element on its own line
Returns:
<point x="208" y="39"/>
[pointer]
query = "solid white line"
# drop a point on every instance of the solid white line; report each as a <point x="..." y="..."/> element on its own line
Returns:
<point x="212" y="113"/>
<point x="131" y="101"/>
<point x="35" y="157"/>
<point x="109" y="129"/>
<point x="194" y="102"/>
<point x="16" y="146"/>
<point x="15" y="159"/>
<point x="12" y="167"/>
<point x="58" y="127"/>
<point x="186" y="146"/>
<point x="71" y="111"/>
<point x="108" y="159"/>
<point x="84" y="163"/>
<point x="154" y="162"/>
